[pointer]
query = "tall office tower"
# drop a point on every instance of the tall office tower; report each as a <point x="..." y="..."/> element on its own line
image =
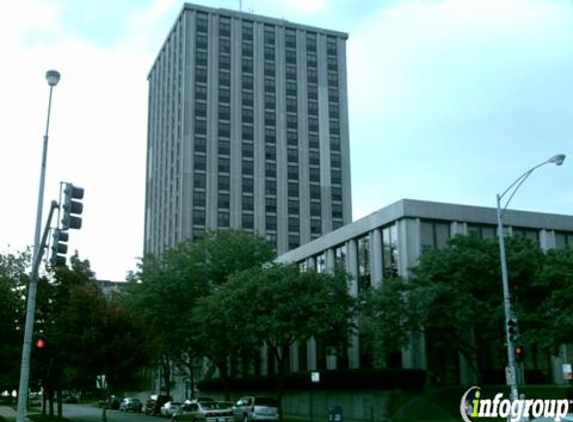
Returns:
<point x="247" y="128"/>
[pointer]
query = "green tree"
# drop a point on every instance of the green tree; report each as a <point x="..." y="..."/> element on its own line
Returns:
<point x="86" y="335"/>
<point x="168" y="288"/>
<point x="454" y="296"/>
<point x="13" y="281"/>
<point x="280" y="305"/>
<point x="546" y="318"/>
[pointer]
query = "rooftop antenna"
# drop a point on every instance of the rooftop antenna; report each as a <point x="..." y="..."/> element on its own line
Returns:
<point x="240" y="5"/>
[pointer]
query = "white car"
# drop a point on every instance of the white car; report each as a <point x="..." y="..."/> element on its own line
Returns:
<point x="169" y="408"/>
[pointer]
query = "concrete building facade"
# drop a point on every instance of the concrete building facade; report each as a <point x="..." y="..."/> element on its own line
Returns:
<point x="247" y="128"/>
<point x="389" y="242"/>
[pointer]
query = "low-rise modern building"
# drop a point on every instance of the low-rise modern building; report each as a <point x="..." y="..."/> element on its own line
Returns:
<point x="389" y="242"/>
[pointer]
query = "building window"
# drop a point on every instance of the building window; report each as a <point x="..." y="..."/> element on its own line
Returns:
<point x="248" y="202"/>
<point x="224" y="27"/>
<point x="224" y="165"/>
<point x="271" y="222"/>
<point x="223" y="200"/>
<point x="224" y="111"/>
<point x="200" y="180"/>
<point x="248" y="184"/>
<point x="293" y="242"/>
<point x="563" y="239"/>
<point x="224" y="46"/>
<point x="247" y="81"/>
<point x="270" y="187"/>
<point x="315" y="209"/>
<point x="292" y="155"/>
<point x="340" y="255"/>
<point x="224" y="78"/>
<point x="293" y="189"/>
<point x="314" y="174"/>
<point x="290" y="38"/>
<point x="247" y="149"/>
<point x="200" y="162"/>
<point x="224" y="94"/>
<point x="292" y="138"/>
<point x="293" y="206"/>
<point x="200" y="127"/>
<point x="270" y="169"/>
<point x="224" y="129"/>
<point x="247" y="132"/>
<point x="364" y="280"/>
<point x="224" y="146"/>
<point x="270" y="152"/>
<point x="292" y="172"/>
<point x="223" y="182"/>
<point x="247" y="30"/>
<point x="200" y="144"/>
<point x="270" y="135"/>
<point x="390" y="251"/>
<point x="198" y="198"/>
<point x="248" y="167"/>
<point x="222" y="219"/>
<point x="199" y="217"/>
<point x="269" y="35"/>
<point x="315" y="192"/>
<point x="270" y="204"/>
<point x="482" y="231"/>
<point x="315" y="226"/>
<point x="434" y="234"/>
<point x="248" y="221"/>
<point x="292" y="121"/>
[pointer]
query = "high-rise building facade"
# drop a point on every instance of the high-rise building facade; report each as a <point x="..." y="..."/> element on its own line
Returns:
<point x="247" y="128"/>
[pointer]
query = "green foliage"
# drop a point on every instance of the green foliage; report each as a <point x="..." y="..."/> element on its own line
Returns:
<point x="454" y="295"/>
<point x="13" y="282"/>
<point x="167" y="289"/>
<point x="547" y="318"/>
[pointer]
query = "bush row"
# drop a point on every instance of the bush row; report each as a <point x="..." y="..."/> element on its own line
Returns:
<point x="351" y="379"/>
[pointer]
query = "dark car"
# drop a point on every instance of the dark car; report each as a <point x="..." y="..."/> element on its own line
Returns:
<point x="155" y="402"/>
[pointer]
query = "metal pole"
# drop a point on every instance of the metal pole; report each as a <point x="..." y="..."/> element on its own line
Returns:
<point x="512" y="370"/>
<point x="33" y="287"/>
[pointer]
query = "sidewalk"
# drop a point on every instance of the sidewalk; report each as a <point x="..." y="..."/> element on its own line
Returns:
<point x="9" y="414"/>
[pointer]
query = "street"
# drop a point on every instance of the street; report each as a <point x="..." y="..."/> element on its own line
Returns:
<point x="87" y="413"/>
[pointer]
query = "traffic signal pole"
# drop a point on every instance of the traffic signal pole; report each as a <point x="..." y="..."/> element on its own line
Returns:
<point x="29" y="325"/>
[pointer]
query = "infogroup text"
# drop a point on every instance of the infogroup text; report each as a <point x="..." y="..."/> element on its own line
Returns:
<point x="473" y="406"/>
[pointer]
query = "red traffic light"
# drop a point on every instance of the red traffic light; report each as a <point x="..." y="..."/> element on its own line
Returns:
<point x="519" y="353"/>
<point x="40" y="343"/>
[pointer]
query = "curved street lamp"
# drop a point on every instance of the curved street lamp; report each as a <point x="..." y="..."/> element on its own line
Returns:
<point x="511" y="367"/>
<point x="53" y="77"/>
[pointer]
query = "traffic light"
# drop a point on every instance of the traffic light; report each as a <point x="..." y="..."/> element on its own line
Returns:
<point x="519" y="354"/>
<point x="72" y="207"/>
<point x="59" y="248"/>
<point x="40" y="343"/>
<point x="513" y="330"/>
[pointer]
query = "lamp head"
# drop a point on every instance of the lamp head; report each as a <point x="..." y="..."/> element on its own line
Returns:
<point x="53" y="77"/>
<point x="557" y="159"/>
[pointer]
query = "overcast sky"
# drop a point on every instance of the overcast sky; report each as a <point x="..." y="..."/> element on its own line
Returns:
<point x="449" y="101"/>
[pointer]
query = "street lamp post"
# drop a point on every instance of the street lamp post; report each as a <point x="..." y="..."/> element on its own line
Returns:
<point x="53" y="77"/>
<point x="511" y="367"/>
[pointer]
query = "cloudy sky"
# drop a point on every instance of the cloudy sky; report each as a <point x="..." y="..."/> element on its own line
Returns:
<point x="450" y="100"/>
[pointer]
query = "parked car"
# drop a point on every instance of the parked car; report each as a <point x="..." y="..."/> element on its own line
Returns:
<point x="169" y="408"/>
<point x="253" y="408"/>
<point x="154" y="403"/>
<point x="130" y="404"/>
<point x="205" y="411"/>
